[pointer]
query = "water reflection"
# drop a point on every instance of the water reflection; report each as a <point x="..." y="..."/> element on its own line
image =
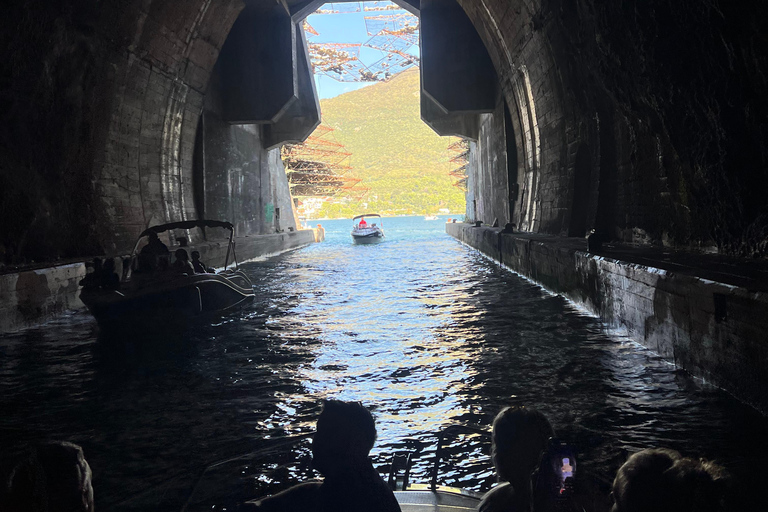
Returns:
<point x="419" y="328"/>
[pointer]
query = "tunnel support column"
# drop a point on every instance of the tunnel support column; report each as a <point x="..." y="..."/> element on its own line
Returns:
<point x="458" y="80"/>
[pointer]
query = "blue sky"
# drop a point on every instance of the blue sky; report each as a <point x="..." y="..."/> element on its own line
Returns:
<point x="344" y="28"/>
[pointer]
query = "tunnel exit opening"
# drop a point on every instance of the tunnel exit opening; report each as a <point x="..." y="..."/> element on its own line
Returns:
<point x="371" y="152"/>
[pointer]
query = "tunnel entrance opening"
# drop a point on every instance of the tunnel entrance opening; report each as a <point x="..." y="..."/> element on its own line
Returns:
<point x="372" y="151"/>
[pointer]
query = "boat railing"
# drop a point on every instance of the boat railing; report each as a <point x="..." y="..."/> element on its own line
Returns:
<point x="450" y="432"/>
<point x="402" y="461"/>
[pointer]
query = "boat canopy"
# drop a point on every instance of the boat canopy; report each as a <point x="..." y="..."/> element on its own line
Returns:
<point x="188" y="224"/>
<point x="366" y="215"/>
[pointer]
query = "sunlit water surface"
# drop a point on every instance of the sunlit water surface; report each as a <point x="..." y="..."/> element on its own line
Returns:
<point x="424" y="331"/>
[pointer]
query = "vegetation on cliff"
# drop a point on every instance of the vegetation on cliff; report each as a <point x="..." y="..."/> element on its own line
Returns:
<point x="401" y="161"/>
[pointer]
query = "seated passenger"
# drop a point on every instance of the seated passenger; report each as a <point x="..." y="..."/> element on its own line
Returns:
<point x="55" y="477"/>
<point x="182" y="263"/>
<point x="198" y="265"/>
<point x="344" y="436"/>
<point x="109" y="278"/>
<point x="363" y="224"/>
<point x="661" y="480"/>
<point x="520" y="437"/>
<point x="154" y="246"/>
<point x="93" y="279"/>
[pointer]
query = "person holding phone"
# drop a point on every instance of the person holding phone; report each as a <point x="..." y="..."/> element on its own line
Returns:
<point x="520" y="437"/>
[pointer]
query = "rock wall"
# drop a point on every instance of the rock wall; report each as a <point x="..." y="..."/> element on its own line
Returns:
<point x="101" y="106"/>
<point x="644" y="120"/>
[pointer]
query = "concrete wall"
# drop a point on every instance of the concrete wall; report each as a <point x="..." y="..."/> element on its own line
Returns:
<point x="711" y="329"/>
<point x="243" y="182"/>
<point x="487" y="170"/>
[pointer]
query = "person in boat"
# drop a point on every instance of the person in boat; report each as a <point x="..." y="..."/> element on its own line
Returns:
<point x="662" y="480"/>
<point x="182" y="263"/>
<point x="344" y="436"/>
<point x="198" y="265"/>
<point x="363" y="224"/>
<point x="154" y="254"/>
<point x="520" y="437"/>
<point x="93" y="279"/>
<point x="109" y="279"/>
<point x="54" y="477"/>
<point x="155" y="245"/>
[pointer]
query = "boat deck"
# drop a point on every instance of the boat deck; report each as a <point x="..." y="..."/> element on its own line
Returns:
<point x="428" y="501"/>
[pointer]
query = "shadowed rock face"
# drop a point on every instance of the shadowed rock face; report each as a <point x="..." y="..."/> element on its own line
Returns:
<point x="101" y="103"/>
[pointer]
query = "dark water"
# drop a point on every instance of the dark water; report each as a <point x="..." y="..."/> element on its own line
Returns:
<point x="420" y="328"/>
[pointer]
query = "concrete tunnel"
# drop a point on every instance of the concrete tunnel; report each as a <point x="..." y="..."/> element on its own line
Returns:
<point x="645" y="121"/>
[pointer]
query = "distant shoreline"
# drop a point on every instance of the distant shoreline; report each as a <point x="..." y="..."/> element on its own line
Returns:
<point x="386" y="216"/>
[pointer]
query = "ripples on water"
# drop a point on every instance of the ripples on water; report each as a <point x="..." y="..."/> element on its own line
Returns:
<point x="419" y="328"/>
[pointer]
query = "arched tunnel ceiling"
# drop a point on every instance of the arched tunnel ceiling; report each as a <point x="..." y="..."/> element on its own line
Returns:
<point x="669" y="98"/>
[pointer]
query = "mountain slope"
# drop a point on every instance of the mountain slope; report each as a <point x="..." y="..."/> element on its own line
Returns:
<point x="399" y="158"/>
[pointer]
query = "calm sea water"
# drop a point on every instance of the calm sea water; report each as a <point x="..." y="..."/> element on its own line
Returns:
<point x="424" y="331"/>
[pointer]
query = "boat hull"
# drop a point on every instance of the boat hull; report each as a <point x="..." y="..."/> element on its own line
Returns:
<point x="367" y="239"/>
<point x="367" y="235"/>
<point x="169" y="303"/>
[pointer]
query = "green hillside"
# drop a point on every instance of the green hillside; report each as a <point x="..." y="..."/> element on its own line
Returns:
<point x="399" y="158"/>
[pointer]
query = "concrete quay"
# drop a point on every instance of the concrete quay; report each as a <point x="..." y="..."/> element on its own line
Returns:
<point x="33" y="296"/>
<point x="706" y="314"/>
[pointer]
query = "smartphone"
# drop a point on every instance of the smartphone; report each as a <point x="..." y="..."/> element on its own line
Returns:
<point x="563" y="462"/>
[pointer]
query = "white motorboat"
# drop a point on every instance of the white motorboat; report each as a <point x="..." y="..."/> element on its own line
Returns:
<point x="364" y="232"/>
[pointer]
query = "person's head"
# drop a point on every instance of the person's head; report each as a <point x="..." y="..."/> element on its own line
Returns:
<point x="55" y="477"/>
<point x="661" y="480"/>
<point x="181" y="255"/>
<point x="520" y="436"/>
<point x="152" y="236"/>
<point x="344" y="435"/>
<point x="195" y="255"/>
<point x="109" y="265"/>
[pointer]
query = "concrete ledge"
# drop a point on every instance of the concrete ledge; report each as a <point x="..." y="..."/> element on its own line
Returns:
<point x="715" y="330"/>
<point x="31" y="297"/>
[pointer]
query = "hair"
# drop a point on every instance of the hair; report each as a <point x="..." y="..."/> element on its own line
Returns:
<point x="181" y="254"/>
<point x="345" y="434"/>
<point x="351" y="421"/>
<point x="662" y="480"/>
<point x="54" y="477"/>
<point x="195" y="253"/>
<point x="520" y="436"/>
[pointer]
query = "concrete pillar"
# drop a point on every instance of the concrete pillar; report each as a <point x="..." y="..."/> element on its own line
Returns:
<point x="303" y="116"/>
<point x="448" y="124"/>
<point x="456" y="71"/>
<point x="259" y="65"/>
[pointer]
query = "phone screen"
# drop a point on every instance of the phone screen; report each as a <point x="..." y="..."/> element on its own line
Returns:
<point x="566" y="470"/>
